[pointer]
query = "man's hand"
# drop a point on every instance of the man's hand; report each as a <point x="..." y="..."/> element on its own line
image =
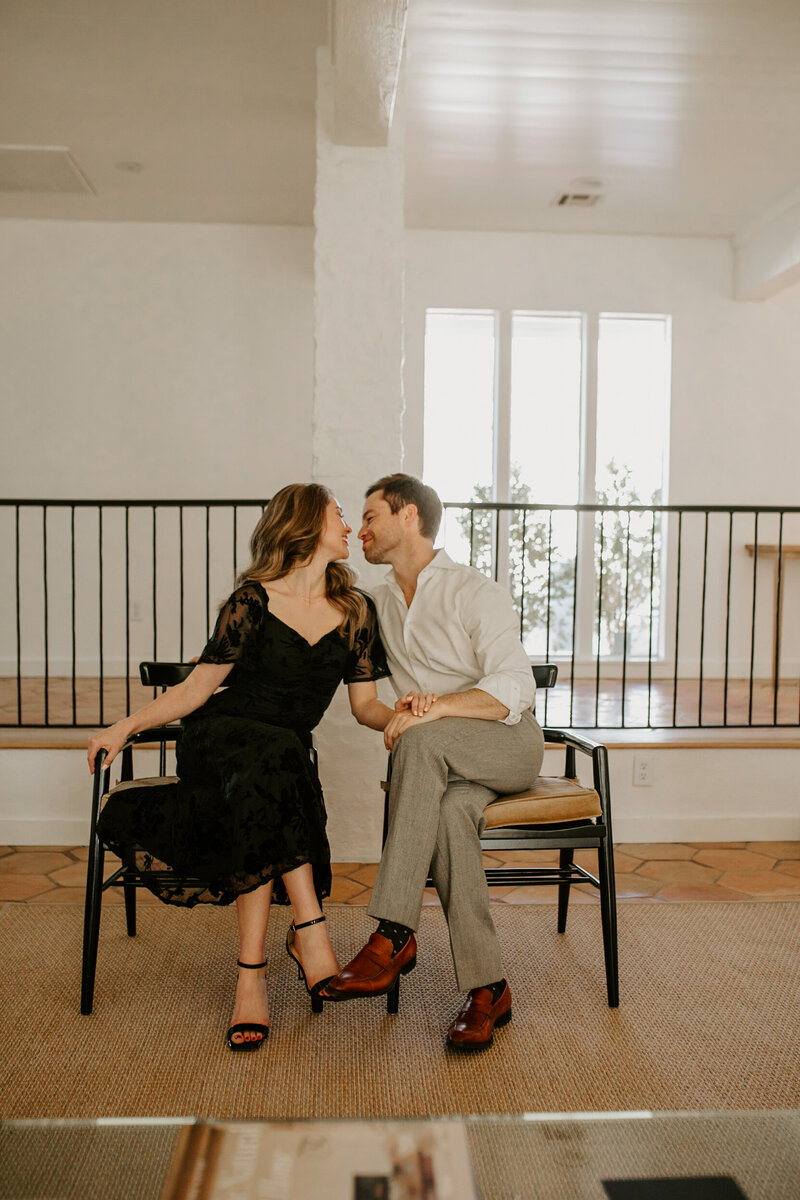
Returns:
<point x="405" y="719"/>
<point x="415" y="702"/>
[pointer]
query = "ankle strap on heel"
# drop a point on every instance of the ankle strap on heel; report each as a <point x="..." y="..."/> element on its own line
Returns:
<point x="252" y="966"/>
<point x="306" y="924"/>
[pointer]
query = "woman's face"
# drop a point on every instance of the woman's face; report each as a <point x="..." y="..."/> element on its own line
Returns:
<point x="335" y="531"/>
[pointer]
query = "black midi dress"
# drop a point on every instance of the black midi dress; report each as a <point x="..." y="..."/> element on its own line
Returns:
<point x="247" y="806"/>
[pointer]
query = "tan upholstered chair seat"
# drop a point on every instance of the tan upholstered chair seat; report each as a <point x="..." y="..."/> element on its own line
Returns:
<point x="549" y="802"/>
<point x="154" y="781"/>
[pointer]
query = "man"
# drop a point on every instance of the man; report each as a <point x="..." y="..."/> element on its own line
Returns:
<point x="463" y="731"/>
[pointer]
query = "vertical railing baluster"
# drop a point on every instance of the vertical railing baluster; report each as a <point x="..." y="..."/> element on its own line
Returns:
<point x="599" y="622"/>
<point x="127" y="610"/>
<point x="496" y="550"/>
<point x="549" y="592"/>
<point x="727" y="620"/>
<point x="181" y="581"/>
<point x="677" y="622"/>
<point x="19" y="614"/>
<point x="778" y="606"/>
<point x="574" y="619"/>
<point x="625" y="617"/>
<point x="523" y="581"/>
<point x="702" y="625"/>
<point x="472" y="537"/>
<point x="235" y="515"/>
<point x="45" y="614"/>
<point x="650" y="630"/>
<point x="753" y="620"/>
<point x="155" y="584"/>
<point x="100" y="609"/>
<point x="73" y="614"/>
<point x="208" y="572"/>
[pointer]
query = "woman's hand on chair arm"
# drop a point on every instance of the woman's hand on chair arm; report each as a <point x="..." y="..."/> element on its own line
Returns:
<point x="175" y="703"/>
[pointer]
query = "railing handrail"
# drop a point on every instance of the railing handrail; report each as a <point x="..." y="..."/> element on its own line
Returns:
<point x="28" y="503"/>
<point x="490" y="505"/>
<point x="507" y="505"/>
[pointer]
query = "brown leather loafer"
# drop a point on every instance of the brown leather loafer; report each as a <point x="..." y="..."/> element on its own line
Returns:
<point x="373" y="971"/>
<point x="473" y="1028"/>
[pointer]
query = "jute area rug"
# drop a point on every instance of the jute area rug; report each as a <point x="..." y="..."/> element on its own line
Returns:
<point x="709" y="1018"/>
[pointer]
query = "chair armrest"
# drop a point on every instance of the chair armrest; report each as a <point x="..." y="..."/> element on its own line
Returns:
<point x="564" y="738"/>
<point x="159" y="733"/>
<point x="599" y="756"/>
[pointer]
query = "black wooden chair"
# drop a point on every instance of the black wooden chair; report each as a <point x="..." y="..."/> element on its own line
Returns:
<point x="157" y="675"/>
<point x="556" y="813"/>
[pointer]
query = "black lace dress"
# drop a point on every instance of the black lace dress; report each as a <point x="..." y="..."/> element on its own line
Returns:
<point x="247" y="806"/>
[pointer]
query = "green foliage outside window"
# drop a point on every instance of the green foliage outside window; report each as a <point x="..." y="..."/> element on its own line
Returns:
<point x="541" y="557"/>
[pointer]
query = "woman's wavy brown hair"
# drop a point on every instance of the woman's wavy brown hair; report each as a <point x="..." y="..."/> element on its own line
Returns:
<point x="286" y="537"/>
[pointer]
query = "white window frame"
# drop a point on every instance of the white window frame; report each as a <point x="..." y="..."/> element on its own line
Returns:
<point x="583" y="652"/>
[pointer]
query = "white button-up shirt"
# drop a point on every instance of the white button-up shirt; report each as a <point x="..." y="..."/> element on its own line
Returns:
<point x="459" y="632"/>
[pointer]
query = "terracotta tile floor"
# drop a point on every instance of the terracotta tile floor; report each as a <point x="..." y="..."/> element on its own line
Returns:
<point x="34" y="704"/>
<point x="653" y="871"/>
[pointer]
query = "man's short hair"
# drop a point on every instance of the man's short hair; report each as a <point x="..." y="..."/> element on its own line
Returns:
<point x="400" y="490"/>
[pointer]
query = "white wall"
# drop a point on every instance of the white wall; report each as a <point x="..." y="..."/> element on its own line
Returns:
<point x="144" y="361"/>
<point x="147" y="360"/>
<point x="735" y="368"/>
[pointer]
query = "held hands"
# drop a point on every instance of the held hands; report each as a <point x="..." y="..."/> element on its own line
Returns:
<point x="412" y="709"/>
<point x="112" y="740"/>
<point x="415" y="702"/>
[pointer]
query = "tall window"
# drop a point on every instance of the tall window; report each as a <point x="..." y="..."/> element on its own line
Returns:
<point x="555" y="409"/>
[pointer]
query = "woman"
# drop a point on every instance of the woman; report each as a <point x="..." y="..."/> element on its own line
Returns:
<point x="248" y="815"/>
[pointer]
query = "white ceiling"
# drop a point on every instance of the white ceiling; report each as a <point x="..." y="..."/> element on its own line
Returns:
<point x="687" y="111"/>
<point x="214" y="98"/>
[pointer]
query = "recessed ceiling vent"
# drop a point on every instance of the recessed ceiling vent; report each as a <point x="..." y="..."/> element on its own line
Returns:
<point x="40" y="169"/>
<point x="577" y="199"/>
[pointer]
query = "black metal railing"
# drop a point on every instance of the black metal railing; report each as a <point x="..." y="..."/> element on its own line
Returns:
<point x="659" y="616"/>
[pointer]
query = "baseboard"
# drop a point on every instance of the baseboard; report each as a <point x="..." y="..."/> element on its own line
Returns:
<point x="755" y="828"/>
<point x="28" y="831"/>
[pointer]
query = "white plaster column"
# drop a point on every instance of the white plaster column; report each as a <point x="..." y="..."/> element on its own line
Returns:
<point x="359" y="255"/>
<point x="359" y="262"/>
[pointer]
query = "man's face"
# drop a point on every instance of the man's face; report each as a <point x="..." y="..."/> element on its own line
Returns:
<point x="381" y="530"/>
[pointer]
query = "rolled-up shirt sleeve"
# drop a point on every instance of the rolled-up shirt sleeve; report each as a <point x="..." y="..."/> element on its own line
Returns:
<point x="493" y="628"/>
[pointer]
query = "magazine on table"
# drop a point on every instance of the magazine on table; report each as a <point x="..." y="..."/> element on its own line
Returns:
<point x="323" y="1160"/>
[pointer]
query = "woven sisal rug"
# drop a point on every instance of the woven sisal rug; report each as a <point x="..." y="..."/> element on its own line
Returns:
<point x="709" y="1018"/>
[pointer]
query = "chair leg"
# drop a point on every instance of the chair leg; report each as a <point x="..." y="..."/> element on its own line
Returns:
<point x="130" y="908"/>
<point x="91" y="922"/>
<point x="564" y="862"/>
<point x="608" y="913"/>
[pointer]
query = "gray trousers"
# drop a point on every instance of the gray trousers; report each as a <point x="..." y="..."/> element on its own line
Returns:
<point x="443" y="775"/>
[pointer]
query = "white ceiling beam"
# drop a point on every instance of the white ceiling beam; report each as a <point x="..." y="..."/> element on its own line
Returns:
<point x="766" y="254"/>
<point x="366" y="51"/>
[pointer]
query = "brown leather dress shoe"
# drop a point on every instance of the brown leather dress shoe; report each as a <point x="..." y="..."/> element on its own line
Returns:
<point x="473" y="1028"/>
<point x="373" y="971"/>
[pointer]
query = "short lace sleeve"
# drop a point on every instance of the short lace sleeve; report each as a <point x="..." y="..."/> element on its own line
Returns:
<point x="239" y="616"/>
<point x="367" y="660"/>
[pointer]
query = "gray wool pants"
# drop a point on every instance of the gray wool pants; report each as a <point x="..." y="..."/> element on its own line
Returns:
<point x="443" y="776"/>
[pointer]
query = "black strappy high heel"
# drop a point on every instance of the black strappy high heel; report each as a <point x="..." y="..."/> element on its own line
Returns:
<point x="248" y="1026"/>
<point x="314" y="992"/>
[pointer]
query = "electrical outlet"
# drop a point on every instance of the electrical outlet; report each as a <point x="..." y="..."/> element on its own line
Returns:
<point x="136" y="611"/>
<point x="642" y="770"/>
